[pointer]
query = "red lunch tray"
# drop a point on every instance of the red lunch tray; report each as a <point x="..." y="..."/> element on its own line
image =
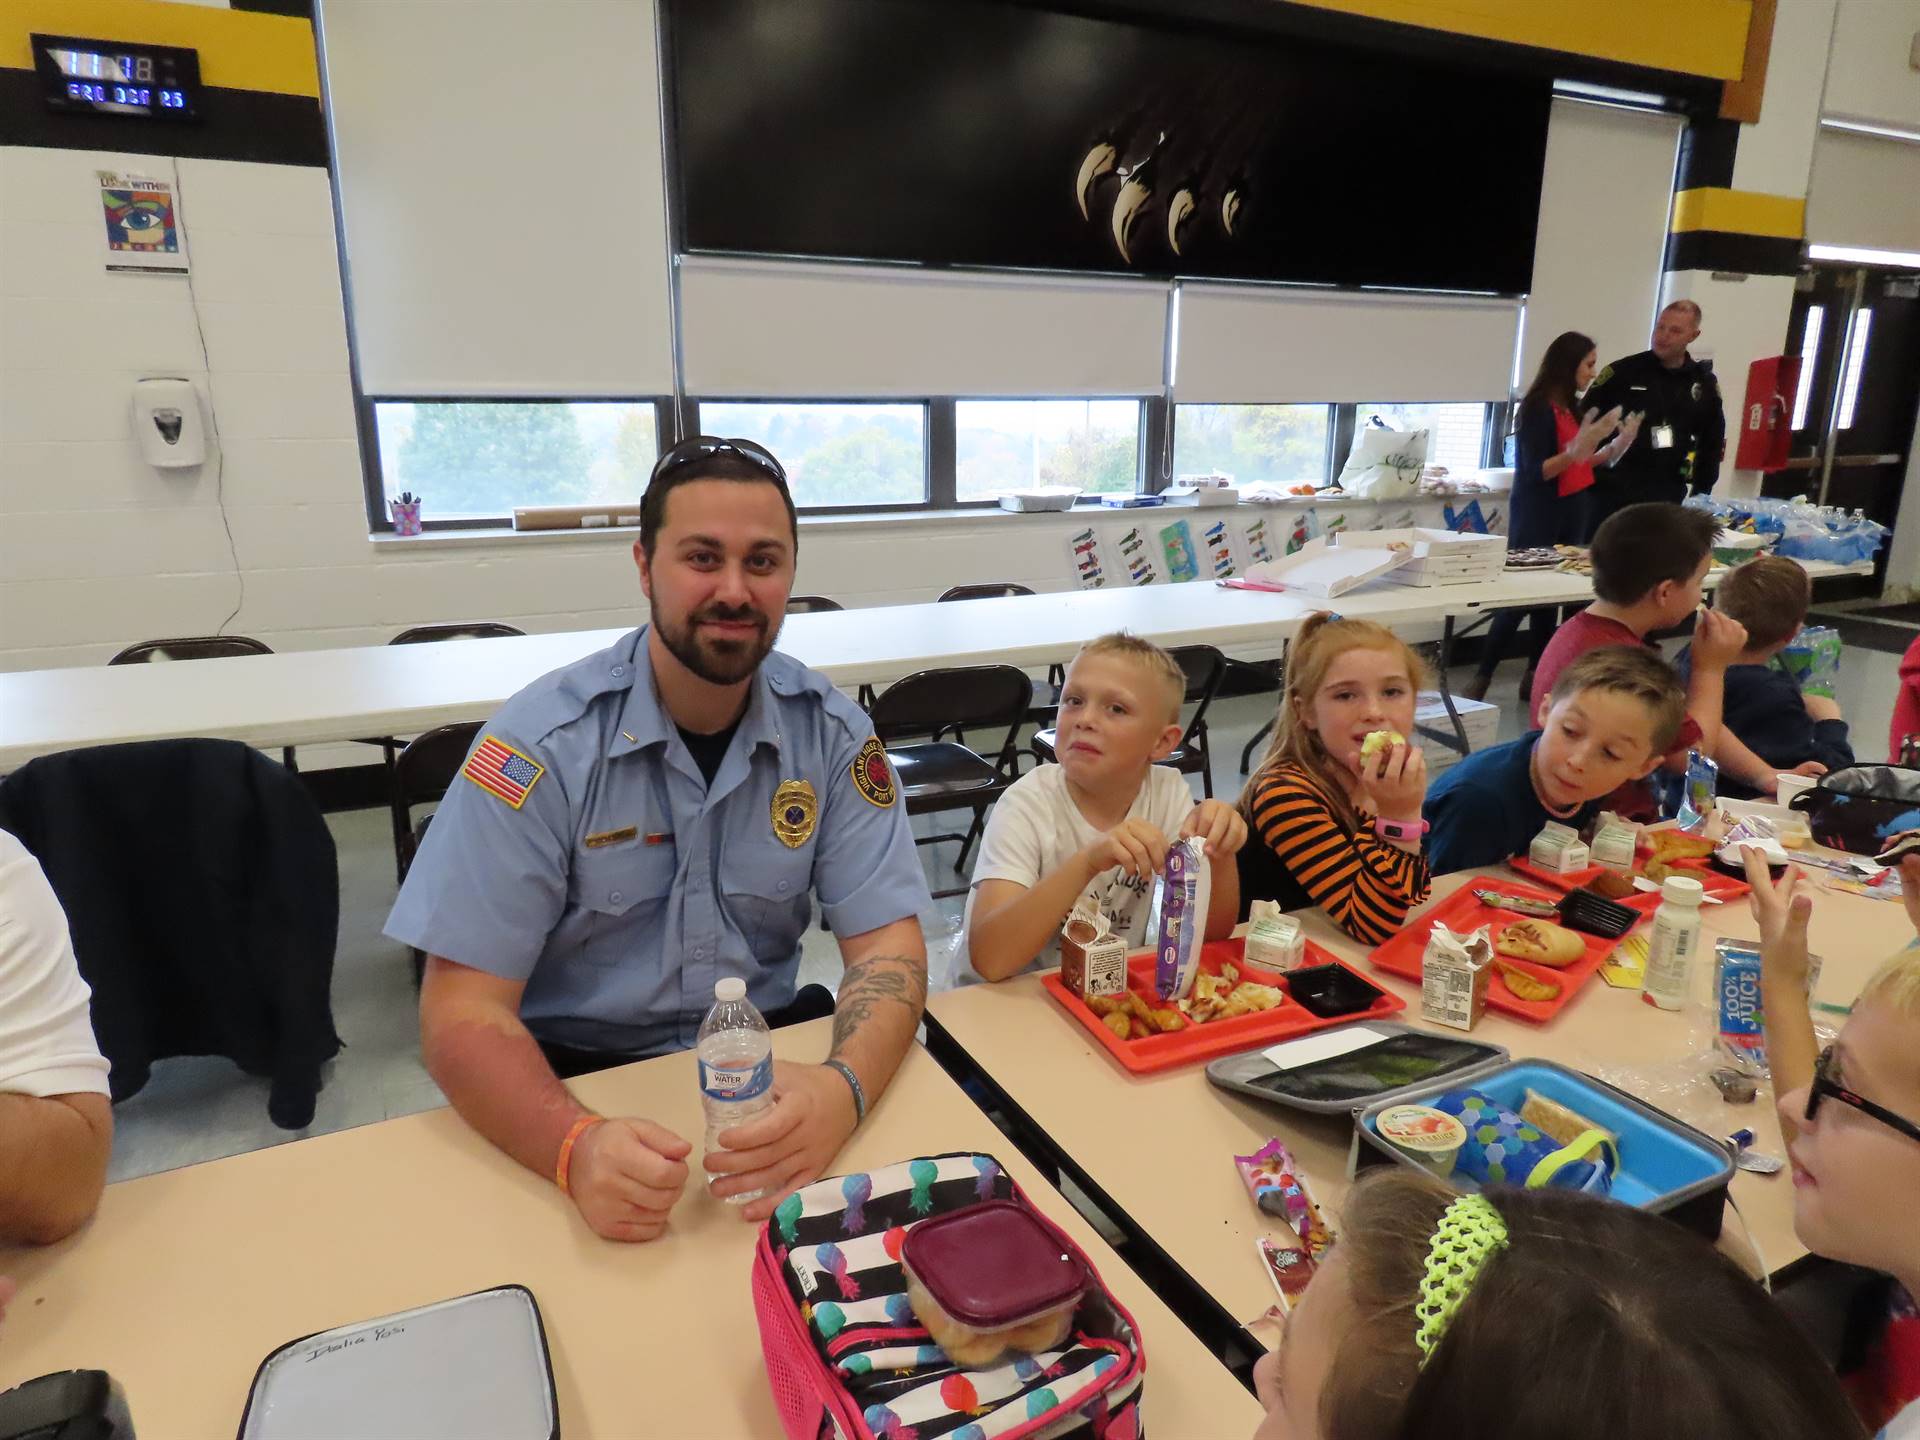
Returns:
<point x="1716" y="883"/>
<point x="1218" y="1037"/>
<point x="1462" y="912"/>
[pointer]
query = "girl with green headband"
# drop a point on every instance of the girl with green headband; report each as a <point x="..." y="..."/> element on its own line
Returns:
<point x="1535" y="1315"/>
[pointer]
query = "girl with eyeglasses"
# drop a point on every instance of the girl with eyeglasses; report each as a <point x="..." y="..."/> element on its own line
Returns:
<point x="1851" y="1117"/>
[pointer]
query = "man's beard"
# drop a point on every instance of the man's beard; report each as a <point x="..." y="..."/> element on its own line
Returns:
<point x="718" y="662"/>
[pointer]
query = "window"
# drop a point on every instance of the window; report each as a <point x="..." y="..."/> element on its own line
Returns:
<point x="1286" y="444"/>
<point x="1093" y="445"/>
<point x="1809" y="352"/>
<point x="1856" y="365"/>
<point x="479" y="459"/>
<point x="1457" y="433"/>
<point x="835" y="455"/>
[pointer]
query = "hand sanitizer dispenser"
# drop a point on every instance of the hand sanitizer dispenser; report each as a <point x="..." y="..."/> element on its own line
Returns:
<point x="167" y="423"/>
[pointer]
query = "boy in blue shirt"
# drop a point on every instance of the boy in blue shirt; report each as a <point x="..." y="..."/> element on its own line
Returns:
<point x="1612" y="714"/>
<point x="1769" y="727"/>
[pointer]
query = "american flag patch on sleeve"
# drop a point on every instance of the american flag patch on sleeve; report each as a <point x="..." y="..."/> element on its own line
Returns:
<point x="501" y="770"/>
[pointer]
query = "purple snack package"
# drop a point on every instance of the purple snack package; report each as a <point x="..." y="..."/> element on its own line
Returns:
<point x="1185" y="884"/>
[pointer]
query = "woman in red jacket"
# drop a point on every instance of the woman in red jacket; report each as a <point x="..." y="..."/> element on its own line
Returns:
<point x="1552" y="501"/>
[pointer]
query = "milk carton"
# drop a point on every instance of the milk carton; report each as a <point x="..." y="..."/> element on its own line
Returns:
<point x="1274" y="940"/>
<point x="1454" y="973"/>
<point x="1559" y="848"/>
<point x="1093" y="960"/>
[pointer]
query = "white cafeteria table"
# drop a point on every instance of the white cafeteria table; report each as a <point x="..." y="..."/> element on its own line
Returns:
<point x="307" y="697"/>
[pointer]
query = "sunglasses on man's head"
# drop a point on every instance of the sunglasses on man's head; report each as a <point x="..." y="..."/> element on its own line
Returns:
<point x="1825" y="1087"/>
<point x="705" y="447"/>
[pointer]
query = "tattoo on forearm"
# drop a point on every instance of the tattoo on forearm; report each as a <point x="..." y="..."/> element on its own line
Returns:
<point x="871" y="984"/>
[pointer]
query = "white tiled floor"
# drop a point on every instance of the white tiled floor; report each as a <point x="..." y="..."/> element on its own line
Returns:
<point x="200" y="1109"/>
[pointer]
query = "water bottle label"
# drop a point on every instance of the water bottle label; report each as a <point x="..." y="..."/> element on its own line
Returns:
<point x="734" y="1082"/>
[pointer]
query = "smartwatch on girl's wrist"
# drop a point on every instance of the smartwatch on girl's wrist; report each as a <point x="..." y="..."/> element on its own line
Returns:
<point x="1413" y="830"/>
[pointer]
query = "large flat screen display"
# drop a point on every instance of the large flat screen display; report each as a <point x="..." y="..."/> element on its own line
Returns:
<point x="985" y="133"/>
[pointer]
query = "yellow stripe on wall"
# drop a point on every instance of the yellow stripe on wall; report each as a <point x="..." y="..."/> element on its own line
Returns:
<point x="239" y="49"/>
<point x="1740" y="212"/>
<point x="1691" y="37"/>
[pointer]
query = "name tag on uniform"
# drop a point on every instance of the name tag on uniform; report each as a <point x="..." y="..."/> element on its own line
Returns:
<point x="610" y="837"/>
<point x="1663" y="437"/>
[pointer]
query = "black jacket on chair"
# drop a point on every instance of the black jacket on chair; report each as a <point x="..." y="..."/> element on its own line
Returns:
<point x="201" y="886"/>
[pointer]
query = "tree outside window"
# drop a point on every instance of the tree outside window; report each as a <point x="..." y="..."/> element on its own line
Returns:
<point x="481" y="459"/>
<point x="1282" y="444"/>
<point x="835" y="455"/>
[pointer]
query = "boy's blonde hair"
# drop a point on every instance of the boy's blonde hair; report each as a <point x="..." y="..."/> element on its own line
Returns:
<point x="1630" y="670"/>
<point x="1159" y="666"/>
<point x="1323" y="638"/>
<point x="1896" y="984"/>
<point x="1769" y="596"/>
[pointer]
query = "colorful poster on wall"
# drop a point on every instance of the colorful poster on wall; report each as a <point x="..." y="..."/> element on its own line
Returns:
<point x="1300" y="529"/>
<point x="1216" y="542"/>
<point x="1135" y="557"/>
<point x="1092" y="565"/>
<point x="1254" y="544"/>
<point x="1176" y="543"/>
<point x="143" y="224"/>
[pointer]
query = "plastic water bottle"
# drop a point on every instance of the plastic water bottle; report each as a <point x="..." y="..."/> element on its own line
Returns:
<point x="736" y="1065"/>
<point x="1676" y="936"/>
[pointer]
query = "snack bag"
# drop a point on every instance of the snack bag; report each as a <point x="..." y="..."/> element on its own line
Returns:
<point x="1703" y="783"/>
<point x="1288" y="1265"/>
<point x="1274" y="1181"/>
<point x="1185" y="886"/>
<point x="1093" y="960"/>
<point x="1273" y="940"/>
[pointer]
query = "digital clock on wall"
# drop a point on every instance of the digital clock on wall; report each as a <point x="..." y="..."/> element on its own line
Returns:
<point x="106" y="77"/>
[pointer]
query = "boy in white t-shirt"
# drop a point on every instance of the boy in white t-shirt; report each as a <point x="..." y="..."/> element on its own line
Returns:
<point x="56" y="1126"/>
<point x="1099" y="822"/>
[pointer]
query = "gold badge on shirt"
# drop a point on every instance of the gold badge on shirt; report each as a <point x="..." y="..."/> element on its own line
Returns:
<point x="795" y="812"/>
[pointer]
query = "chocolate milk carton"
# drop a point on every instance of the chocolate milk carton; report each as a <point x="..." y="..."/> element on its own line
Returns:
<point x="1093" y="960"/>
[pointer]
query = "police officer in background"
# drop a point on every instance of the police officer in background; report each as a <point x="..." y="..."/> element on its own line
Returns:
<point x="644" y="822"/>
<point x="1683" y="430"/>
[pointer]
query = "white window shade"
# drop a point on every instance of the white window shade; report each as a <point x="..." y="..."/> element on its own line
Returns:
<point x="752" y="328"/>
<point x="1601" y="246"/>
<point x="1865" y="192"/>
<point x="1242" y="345"/>
<point x="503" y="216"/>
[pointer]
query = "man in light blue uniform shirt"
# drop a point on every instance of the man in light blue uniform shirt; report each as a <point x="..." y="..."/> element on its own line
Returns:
<point x="654" y="818"/>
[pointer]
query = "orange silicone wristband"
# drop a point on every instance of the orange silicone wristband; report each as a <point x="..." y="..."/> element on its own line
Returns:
<point x="565" y="1162"/>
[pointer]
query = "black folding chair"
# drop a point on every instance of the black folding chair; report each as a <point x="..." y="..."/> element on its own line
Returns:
<point x="422" y="771"/>
<point x="991" y="590"/>
<point x="937" y="775"/>
<point x="1044" y="712"/>
<point x="811" y="605"/>
<point x="199" y="647"/>
<point x="391" y="746"/>
<point x="1204" y="667"/>
<point x="455" y="630"/>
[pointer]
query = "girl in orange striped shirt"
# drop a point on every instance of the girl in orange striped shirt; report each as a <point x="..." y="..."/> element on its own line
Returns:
<point x="1328" y="828"/>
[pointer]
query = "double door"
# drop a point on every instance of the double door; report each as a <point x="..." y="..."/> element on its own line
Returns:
<point x="1857" y="332"/>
